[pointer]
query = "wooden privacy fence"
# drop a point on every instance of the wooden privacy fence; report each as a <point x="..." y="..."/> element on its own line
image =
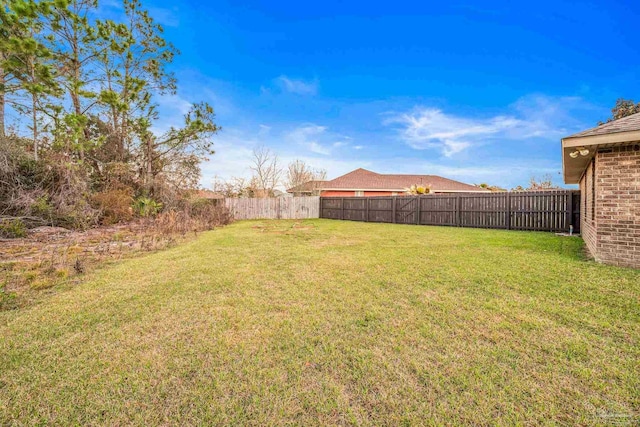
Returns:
<point x="274" y="208"/>
<point x="531" y="210"/>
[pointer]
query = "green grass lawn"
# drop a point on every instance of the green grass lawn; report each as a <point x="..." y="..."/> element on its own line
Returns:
<point x="332" y="322"/>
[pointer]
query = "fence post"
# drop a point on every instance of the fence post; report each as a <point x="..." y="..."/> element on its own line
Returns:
<point x="569" y="199"/>
<point x="342" y="208"/>
<point x="457" y="211"/>
<point x="418" y="201"/>
<point x="508" y="222"/>
<point x="394" y="208"/>
<point x="366" y="203"/>
<point x="320" y="208"/>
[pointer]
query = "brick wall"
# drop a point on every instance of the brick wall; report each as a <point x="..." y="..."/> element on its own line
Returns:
<point x="380" y="193"/>
<point x="338" y="194"/>
<point x="617" y="202"/>
<point x="610" y="211"/>
<point x="333" y="193"/>
<point x="587" y="223"/>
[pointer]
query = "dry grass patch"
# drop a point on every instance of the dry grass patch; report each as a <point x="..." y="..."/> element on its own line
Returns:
<point x="50" y="256"/>
<point x="402" y="325"/>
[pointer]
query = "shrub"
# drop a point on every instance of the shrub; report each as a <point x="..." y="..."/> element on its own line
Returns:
<point x="114" y="205"/>
<point x="52" y="190"/>
<point x="41" y="207"/>
<point x="146" y="207"/>
<point x="196" y="215"/>
<point x="201" y="205"/>
<point x="209" y="213"/>
<point x="12" y="228"/>
<point x="417" y="190"/>
<point x="117" y="175"/>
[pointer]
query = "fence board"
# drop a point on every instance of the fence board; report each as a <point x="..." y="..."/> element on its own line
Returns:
<point x="275" y="208"/>
<point x="533" y="210"/>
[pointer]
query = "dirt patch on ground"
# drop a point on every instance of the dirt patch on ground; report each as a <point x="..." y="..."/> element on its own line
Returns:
<point x="274" y="228"/>
<point x="51" y="255"/>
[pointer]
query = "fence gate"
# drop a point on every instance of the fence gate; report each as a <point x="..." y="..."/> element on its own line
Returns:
<point x="407" y="210"/>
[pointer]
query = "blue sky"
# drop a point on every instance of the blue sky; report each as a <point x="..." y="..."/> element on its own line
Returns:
<point x="475" y="92"/>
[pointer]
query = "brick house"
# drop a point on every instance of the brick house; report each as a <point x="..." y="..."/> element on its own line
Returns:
<point x="605" y="161"/>
<point x="362" y="182"/>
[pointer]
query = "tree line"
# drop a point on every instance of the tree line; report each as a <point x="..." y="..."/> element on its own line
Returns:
<point x="78" y="104"/>
<point x="267" y="174"/>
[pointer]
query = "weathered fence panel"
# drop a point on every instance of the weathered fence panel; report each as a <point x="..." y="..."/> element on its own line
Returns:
<point x="441" y="210"/>
<point x="275" y="208"/>
<point x="531" y="210"/>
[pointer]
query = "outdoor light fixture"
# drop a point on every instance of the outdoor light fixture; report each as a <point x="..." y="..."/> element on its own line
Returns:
<point x="580" y="151"/>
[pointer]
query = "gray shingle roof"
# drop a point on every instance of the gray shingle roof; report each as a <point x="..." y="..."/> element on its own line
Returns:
<point x="625" y="124"/>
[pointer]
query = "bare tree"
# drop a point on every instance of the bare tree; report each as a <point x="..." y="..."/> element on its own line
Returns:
<point x="234" y="187"/>
<point x="543" y="183"/>
<point x="266" y="171"/>
<point x="298" y="173"/>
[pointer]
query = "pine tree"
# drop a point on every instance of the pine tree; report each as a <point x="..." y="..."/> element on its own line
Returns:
<point x="26" y="62"/>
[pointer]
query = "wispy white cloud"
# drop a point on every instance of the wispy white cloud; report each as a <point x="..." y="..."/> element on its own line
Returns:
<point x="172" y="109"/>
<point x="297" y="86"/>
<point x="317" y="139"/>
<point x="164" y="16"/>
<point x="176" y="103"/>
<point x="309" y="135"/>
<point x="531" y="117"/>
<point x="264" y="129"/>
<point x="432" y="128"/>
<point x="318" y="148"/>
<point x="114" y="4"/>
<point x="549" y="117"/>
<point x="114" y="9"/>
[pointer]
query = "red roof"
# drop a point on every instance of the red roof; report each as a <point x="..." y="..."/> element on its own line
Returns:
<point x="362" y="179"/>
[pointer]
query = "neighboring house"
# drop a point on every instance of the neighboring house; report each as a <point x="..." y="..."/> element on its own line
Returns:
<point x="278" y="193"/>
<point x="605" y="161"/>
<point x="362" y="182"/>
<point x="309" y="188"/>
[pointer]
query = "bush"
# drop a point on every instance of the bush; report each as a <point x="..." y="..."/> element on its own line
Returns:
<point x="146" y="207"/>
<point x="418" y="190"/>
<point x="52" y="190"/>
<point x="58" y="189"/>
<point x="196" y="215"/>
<point x="12" y="228"/>
<point x="209" y="212"/>
<point x="41" y="207"/>
<point x="114" y="205"/>
<point x="200" y="206"/>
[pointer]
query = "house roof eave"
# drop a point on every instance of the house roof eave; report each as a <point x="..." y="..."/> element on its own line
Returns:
<point x="402" y="190"/>
<point x="573" y="168"/>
